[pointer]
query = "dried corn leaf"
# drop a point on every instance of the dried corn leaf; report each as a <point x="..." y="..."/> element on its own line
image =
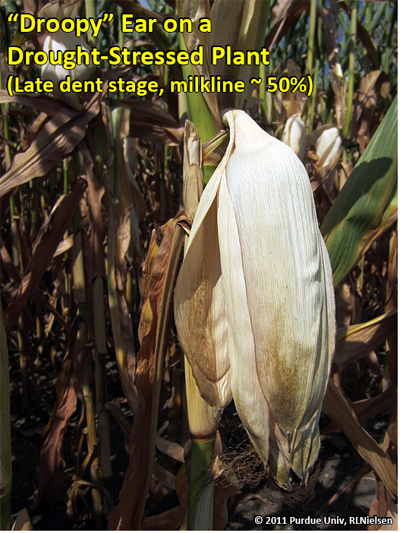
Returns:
<point x="151" y="113"/>
<point x="37" y="296"/>
<point x="51" y="463"/>
<point x="354" y="342"/>
<point x="44" y="104"/>
<point x="338" y="409"/>
<point x="366" y="409"/>
<point x="288" y="18"/>
<point x="22" y="522"/>
<point x="56" y="139"/>
<point x="172" y="449"/>
<point x="47" y="242"/>
<point x="119" y="207"/>
<point x="365" y="105"/>
<point x="160" y="270"/>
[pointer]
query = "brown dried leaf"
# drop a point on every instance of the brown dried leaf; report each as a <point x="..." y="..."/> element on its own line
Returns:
<point x="37" y="296"/>
<point x="151" y="121"/>
<point x="64" y="246"/>
<point x="56" y="139"/>
<point x="22" y="522"/>
<point x="51" y="462"/>
<point x="280" y="10"/>
<point x="45" y="104"/>
<point x="226" y="486"/>
<point x="355" y="342"/>
<point x="49" y="237"/>
<point x="380" y="505"/>
<point x="366" y="409"/>
<point x="172" y="449"/>
<point x="119" y="208"/>
<point x="365" y="105"/>
<point x="167" y="521"/>
<point x="289" y="19"/>
<point x="393" y="514"/>
<point x="160" y="271"/>
<point x="340" y="412"/>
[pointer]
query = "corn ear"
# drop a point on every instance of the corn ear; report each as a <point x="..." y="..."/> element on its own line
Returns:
<point x="294" y="135"/>
<point x="254" y="303"/>
<point x="328" y="147"/>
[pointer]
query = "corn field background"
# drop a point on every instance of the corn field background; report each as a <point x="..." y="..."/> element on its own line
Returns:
<point x="92" y="227"/>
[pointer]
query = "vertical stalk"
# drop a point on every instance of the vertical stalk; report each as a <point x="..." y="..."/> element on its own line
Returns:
<point x="201" y="417"/>
<point x="101" y="382"/>
<point x="263" y="91"/>
<point x="90" y="411"/>
<point x="15" y="256"/>
<point x="67" y="296"/>
<point x="314" y="96"/>
<point x="368" y="17"/>
<point x="350" y="87"/>
<point x="199" y="114"/>
<point x="90" y="9"/>
<point x="78" y="272"/>
<point x="5" y="433"/>
<point x="310" y="48"/>
<point x="203" y="428"/>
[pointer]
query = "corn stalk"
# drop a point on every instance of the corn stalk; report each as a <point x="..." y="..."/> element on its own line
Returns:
<point x="5" y="433"/>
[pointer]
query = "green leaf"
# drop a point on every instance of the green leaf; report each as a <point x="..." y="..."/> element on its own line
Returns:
<point x="367" y="204"/>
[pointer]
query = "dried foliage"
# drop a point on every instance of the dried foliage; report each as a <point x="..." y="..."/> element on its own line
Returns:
<point x="92" y="232"/>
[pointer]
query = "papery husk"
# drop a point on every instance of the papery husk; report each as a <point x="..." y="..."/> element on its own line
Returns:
<point x="255" y="288"/>
<point x="294" y="135"/>
<point x="328" y="147"/>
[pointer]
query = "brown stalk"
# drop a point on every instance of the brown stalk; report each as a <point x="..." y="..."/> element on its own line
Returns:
<point x="160" y="273"/>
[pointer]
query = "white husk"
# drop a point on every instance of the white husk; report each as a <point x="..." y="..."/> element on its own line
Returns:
<point x="328" y="146"/>
<point x="254" y="299"/>
<point x="294" y="135"/>
<point x="61" y="41"/>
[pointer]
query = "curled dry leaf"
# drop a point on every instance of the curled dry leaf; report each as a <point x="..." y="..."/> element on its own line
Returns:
<point x="47" y="242"/>
<point x="159" y="272"/>
<point x="151" y="121"/>
<point x="338" y="409"/>
<point x="356" y="341"/>
<point x="51" y="462"/>
<point x="56" y="139"/>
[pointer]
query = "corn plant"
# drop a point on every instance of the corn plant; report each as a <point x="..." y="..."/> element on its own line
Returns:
<point x="208" y="247"/>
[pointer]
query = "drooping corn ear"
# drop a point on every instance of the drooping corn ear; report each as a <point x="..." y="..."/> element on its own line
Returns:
<point x="294" y="135"/>
<point x="328" y="147"/>
<point x="254" y="299"/>
<point x="287" y="275"/>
